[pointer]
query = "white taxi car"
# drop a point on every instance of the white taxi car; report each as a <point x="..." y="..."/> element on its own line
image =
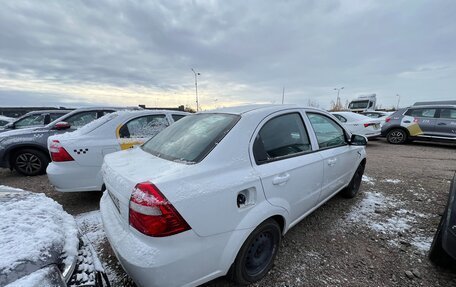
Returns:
<point x="359" y="124"/>
<point x="77" y="156"/>
<point x="214" y="193"/>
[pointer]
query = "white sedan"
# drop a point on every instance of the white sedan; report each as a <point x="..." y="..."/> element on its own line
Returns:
<point x="77" y="156"/>
<point x="359" y="124"/>
<point x="214" y="193"/>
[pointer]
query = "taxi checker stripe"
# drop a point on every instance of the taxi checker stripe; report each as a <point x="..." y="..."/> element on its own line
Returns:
<point x="81" y="150"/>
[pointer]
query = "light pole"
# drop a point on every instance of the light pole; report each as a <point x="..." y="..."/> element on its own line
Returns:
<point x="338" y="92"/>
<point x="196" y="88"/>
<point x="398" y="100"/>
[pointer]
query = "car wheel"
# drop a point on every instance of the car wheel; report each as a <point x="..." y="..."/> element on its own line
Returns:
<point x="30" y="162"/>
<point x="257" y="254"/>
<point x="353" y="187"/>
<point x="396" y="136"/>
<point x="437" y="254"/>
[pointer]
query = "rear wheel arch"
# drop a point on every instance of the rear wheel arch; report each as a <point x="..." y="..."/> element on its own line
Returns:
<point x="12" y="151"/>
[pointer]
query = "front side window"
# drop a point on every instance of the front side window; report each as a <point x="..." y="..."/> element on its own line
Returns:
<point x="281" y="136"/>
<point x="327" y="131"/>
<point x="448" y="113"/>
<point x="191" y="138"/>
<point x="144" y="127"/>
<point x="55" y="116"/>
<point x="421" y="113"/>
<point x="177" y="117"/>
<point x="29" y="121"/>
<point x="81" y="119"/>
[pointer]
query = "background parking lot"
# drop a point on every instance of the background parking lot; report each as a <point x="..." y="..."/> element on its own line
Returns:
<point x="380" y="238"/>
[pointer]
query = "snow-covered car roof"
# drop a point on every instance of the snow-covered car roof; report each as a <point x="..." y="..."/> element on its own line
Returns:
<point x="239" y="110"/>
<point x="352" y="117"/>
<point x="35" y="232"/>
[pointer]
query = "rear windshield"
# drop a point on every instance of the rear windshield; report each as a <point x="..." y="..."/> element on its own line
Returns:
<point x="191" y="138"/>
<point x="358" y="104"/>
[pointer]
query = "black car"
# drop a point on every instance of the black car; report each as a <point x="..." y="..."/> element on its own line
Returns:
<point x="443" y="248"/>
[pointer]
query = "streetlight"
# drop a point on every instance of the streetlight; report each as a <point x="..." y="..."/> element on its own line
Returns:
<point x="196" y="88"/>
<point x="398" y="100"/>
<point x="338" y="99"/>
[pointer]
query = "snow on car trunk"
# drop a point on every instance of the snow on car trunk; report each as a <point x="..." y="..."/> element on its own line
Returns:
<point x="35" y="232"/>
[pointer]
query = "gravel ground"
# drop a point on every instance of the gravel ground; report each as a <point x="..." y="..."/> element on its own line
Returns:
<point x="379" y="238"/>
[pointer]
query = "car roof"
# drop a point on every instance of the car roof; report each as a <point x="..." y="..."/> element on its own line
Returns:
<point x="432" y="106"/>
<point x="47" y="111"/>
<point x="260" y="108"/>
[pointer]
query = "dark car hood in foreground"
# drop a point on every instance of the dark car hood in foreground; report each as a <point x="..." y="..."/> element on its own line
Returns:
<point x="35" y="232"/>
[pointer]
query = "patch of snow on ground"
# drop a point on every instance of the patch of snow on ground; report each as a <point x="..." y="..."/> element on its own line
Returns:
<point x="368" y="180"/>
<point x="4" y="188"/>
<point x="422" y="243"/>
<point x="91" y="226"/>
<point x="394" y="181"/>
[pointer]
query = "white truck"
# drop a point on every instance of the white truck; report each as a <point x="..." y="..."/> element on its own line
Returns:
<point x="363" y="103"/>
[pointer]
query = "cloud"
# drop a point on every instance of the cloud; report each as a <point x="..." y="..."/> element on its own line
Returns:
<point x="141" y="52"/>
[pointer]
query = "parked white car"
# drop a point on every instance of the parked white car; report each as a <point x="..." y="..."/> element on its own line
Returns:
<point x="379" y="115"/>
<point x="77" y="156"/>
<point x="214" y="193"/>
<point x="359" y="124"/>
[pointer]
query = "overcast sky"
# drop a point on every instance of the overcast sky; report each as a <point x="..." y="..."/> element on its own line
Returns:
<point x="79" y="53"/>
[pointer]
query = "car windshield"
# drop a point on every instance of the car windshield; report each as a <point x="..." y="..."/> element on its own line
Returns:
<point x="191" y="138"/>
<point x="358" y="104"/>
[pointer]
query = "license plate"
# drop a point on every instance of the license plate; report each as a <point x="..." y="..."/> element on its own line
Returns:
<point x="115" y="200"/>
<point x="377" y="126"/>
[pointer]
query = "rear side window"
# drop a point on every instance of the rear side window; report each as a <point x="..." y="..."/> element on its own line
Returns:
<point x="32" y="120"/>
<point x="340" y="118"/>
<point x="191" y="138"/>
<point x="421" y="113"/>
<point x="144" y="127"/>
<point x="177" y="117"/>
<point x="448" y="113"/>
<point x="2" y="122"/>
<point x="328" y="132"/>
<point x="281" y="137"/>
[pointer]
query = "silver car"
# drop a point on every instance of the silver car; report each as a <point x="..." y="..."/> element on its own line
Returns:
<point x="430" y="122"/>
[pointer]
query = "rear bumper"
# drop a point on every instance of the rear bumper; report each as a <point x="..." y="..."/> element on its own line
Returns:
<point x="72" y="177"/>
<point x="372" y="135"/>
<point x="184" y="259"/>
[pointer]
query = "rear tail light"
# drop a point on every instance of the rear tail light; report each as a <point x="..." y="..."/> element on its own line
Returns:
<point x="152" y="214"/>
<point x="58" y="153"/>
<point x="388" y="119"/>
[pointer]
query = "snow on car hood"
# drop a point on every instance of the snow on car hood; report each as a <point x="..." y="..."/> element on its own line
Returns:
<point x="35" y="232"/>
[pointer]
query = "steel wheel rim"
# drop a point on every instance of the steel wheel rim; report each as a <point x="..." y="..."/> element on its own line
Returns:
<point x="260" y="253"/>
<point x="28" y="163"/>
<point x="396" y="137"/>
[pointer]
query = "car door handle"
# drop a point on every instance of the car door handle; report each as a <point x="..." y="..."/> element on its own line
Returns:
<point x="281" y="179"/>
<point x="441" y="124"/>
<point x="407" y="122"/>
<point x="332" y="162"/>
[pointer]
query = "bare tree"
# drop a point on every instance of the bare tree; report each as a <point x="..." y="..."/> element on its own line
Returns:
<point x="313" y="103"/>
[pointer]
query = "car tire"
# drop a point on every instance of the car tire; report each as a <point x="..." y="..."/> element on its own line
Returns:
<point x="30" y="162"/>
<point x="257" y="254"/>
<point x="437" y="254"/>
<point x="397" y="136"/>
<point x="355" y="183"/>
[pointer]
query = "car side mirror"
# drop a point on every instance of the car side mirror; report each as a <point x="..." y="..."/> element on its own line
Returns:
<point x="358" y="140"/>
<point x="62" y="126"/>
